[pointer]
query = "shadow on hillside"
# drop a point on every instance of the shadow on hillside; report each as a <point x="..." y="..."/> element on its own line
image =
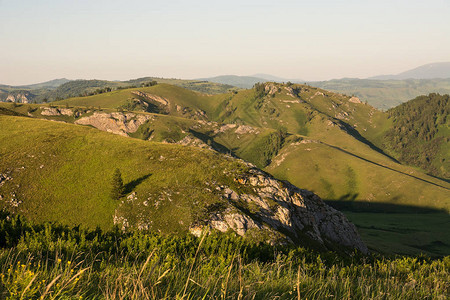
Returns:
<point x="440" y="178"/>
<point x="383" y="166"/>
<point x="130" y="186"/>
<point x="210" y="141"/>
<point x="353" y="132"/>
<point x="362" y="206"/>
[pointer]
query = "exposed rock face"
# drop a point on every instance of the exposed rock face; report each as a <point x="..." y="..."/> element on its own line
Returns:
<point x="256" y="206"/>
<point x="20" y="97"/>
<point x="354" y="100"/>
<point x="244" y="129"/>
<point x="152" y="97"/>
<point x="191" y="140"/>
<point x="281" y="207"/>
<point x="271" y="88"/>
<point x="117" y="123"/>
<point x="53" y="111"/>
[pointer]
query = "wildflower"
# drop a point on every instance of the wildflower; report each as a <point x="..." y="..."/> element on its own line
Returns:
<point x="69" y="262"/>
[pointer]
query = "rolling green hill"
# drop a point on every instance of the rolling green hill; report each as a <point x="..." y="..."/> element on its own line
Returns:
<point x="68" y="168"/>
<point x="65" y="176"/>
<point x="329" y="143"/>
<point x="336" y="125"/>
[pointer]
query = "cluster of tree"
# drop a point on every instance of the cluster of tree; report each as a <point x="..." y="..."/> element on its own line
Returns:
<point x="99" y="91"/>
<point x="150" y="83"/>
<point x="269" y="147"/>
<point x="260" y="90"/>
<point x="414" y="135"/>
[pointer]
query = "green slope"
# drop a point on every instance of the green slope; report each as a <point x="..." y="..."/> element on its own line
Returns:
<point x="337" y="174"/>
<point x="350" y="135"/>
<point x="333" y="146"/>
<point x="62" y="172"/>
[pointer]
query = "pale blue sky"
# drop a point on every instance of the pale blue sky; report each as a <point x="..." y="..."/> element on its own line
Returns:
<point x="313" y="40"/>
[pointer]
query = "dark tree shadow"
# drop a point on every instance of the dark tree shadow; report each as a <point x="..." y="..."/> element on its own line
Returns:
<point x="130" y="186"/>
<point x="351" y="204"/>
<point x="210" y="141"/>
<point x="383" y="166"/>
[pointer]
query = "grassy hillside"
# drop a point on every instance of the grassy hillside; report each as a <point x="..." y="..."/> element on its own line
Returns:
<point x="325" y="142"/>
<point x="325" y="134"/>
<point x="176" y="96"/>
<point x="65" y="174"/>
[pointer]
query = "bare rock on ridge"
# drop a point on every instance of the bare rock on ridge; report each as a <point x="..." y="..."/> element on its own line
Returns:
<point x="117" y="123"/>
<point x="280" y="207"/>
<point x="255" y="205"/>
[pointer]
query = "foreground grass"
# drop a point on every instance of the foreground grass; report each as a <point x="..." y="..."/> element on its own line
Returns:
<point x="54" y="262"/>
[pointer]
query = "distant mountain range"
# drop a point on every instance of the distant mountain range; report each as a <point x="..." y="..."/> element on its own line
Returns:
<point x="428" y="71"/>
<point x="383" y="91"/>
<point x="51" y="84"/>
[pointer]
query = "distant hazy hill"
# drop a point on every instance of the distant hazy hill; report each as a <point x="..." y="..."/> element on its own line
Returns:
<point x="244" y="82"/>
<point x="428" y="71"/>
<point x="46" y="85"/>
<point x="247" y="82"/>
<point x="51" y="84"/>
<point x="385" y="94"/>
<point x="64" y="88"/>
<point x="269" y="77"/>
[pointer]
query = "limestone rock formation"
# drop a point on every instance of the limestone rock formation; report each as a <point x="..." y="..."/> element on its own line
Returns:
<point x="269" y="210"/>
<point x="117" y="123"/>
<point x="280" y="206"/>
<point x="53" y="111"/>
<point x="20" y="97"/>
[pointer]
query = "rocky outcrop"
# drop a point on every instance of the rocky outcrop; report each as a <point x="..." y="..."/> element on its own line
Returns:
<point x="151" y="97"/>
<point x="354" y="100"/>
<point x="191" y="140"/>
<point x="271" y="88"/>
<point x="254" y="205"/>
<point x="20" y="97"/>
<point x="4" y="177"/>
<point x="54" y="111"/>
<point x="280" y="207"/>
<point x="246" y="129"/>
<point x="117" y="123"/>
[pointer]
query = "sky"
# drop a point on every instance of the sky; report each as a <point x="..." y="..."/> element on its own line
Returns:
<point x="42" y="40"/>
